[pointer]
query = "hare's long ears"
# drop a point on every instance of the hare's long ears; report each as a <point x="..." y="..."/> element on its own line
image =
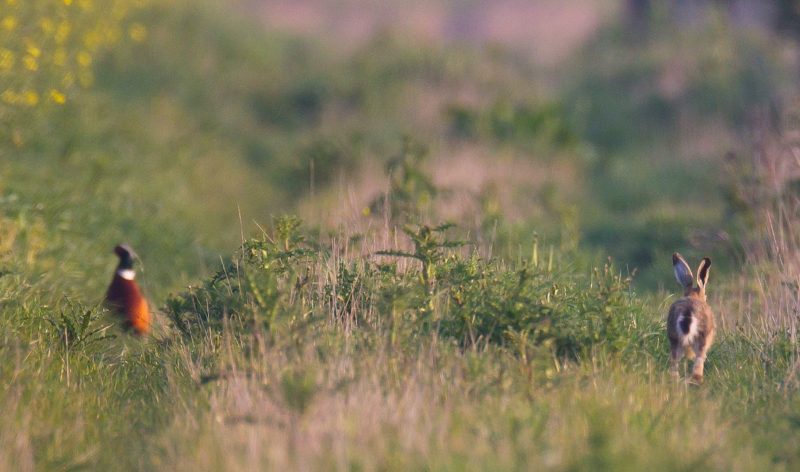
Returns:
<point x="683" y="274"/>
<point x="702" y="272"/>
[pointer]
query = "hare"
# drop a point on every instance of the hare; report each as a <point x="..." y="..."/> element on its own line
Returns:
<point x="690" y="324"/>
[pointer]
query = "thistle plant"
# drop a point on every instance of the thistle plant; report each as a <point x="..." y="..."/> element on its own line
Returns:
<point x="430" y="247"/>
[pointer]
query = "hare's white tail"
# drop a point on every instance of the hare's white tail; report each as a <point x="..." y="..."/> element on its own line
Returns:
<point x="687" y="327"/>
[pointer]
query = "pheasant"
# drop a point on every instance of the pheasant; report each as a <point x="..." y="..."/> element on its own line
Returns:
<point x="124" y="296"/>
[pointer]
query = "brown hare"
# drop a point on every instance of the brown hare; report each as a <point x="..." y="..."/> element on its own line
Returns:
<point x="690" y="324"/>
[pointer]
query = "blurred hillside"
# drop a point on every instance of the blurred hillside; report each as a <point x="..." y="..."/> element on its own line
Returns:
<point x="549" y="29"/>
<point x="569" y="123"/>
<point x="652" y="96"/>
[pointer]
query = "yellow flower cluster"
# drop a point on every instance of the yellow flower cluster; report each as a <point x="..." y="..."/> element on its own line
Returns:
<point x="48" y="47"/>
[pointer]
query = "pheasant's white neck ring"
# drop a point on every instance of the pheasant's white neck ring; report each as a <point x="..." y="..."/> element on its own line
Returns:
<point x="127" y="274"/>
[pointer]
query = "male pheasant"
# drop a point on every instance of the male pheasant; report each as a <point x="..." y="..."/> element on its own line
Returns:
<point x="124" y="297"/>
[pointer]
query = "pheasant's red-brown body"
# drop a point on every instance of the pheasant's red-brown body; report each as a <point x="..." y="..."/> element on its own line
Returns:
<point x="124" y="296"/>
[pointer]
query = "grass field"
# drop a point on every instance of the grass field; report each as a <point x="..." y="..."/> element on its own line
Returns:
<point x="402" y="251"/>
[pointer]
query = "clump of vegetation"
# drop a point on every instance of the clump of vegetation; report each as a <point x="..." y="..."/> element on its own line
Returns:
<point x="556" y="310"/>
<point x="522" y="124"/>
<point x="411" y="190"/>
<point x="266" y="281"/>
<point x="464" y="298"/>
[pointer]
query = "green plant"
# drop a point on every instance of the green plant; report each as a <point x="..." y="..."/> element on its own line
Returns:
<point x="429" y="250"/>
<point x="493" y="304"/>
<point x="347" y="294"/>
<point x="298" y="388"/>
<point x="516" y="122"/>
<point x="78" y="327"/>
<point x="411" y="189"/>
<point x="252" y="290"/>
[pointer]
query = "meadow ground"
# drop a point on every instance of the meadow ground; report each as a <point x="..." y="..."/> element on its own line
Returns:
<point x="479" y="270"/>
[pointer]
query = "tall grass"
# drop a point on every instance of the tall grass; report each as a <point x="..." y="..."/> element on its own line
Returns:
<point x="439" y="408"/>
<point x="764" y="191"/>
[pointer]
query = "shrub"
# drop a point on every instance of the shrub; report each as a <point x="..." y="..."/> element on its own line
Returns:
<point x="467" y="299"/>
<point x="254" y="289"/>
<point x="517" y="122"/>
<point x="489" y="303"/>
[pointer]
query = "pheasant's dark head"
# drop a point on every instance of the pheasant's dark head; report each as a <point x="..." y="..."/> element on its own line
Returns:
<point x="126" y="255"/>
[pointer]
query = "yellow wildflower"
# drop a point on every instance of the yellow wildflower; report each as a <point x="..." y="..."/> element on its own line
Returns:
<point x="33" y="51"/>
<point x="67" y="2"/>
<point x="57" y="97"/>
<point x="30" y="63"/>
<point x="9" y="23"/>
<point x="9" y="96"/>
<point x="62" y="32"/>
<point x="92" y="40"/>
<point x="84" y="59"/>
<point x="30" y="98"/>
<point x="6" y="59"/>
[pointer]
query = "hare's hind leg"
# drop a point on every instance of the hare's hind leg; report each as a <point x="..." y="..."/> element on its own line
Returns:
<point x="700" y="345"/>
<point x="676" y="353"/>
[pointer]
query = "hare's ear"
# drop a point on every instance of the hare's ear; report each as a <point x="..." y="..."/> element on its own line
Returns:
<point x="682" y="271"/>
<point x="702" y="272"/>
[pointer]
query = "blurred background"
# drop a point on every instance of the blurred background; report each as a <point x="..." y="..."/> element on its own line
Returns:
<point x="595" y="127"/>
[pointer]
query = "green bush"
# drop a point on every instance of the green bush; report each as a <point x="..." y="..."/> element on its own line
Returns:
<point x="518" y="122"/>
<point x="252" y="291"/>
<point x="467" y="299"/>
<point x="491" y="303"/>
